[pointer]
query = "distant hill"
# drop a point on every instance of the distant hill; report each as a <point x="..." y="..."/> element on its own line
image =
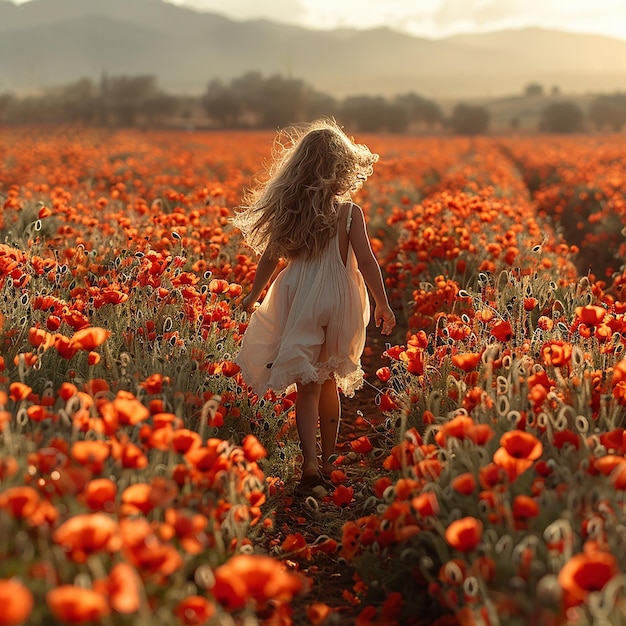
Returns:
<point x="46" y="43"/>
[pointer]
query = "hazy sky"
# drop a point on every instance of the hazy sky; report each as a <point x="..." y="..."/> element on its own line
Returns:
<point x="431" y="18"/>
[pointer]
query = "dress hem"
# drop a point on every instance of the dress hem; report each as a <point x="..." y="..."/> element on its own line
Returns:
<point x="347" y="382"/>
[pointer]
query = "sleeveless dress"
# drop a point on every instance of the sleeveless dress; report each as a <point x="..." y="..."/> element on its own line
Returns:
<point x="311" y="324"/>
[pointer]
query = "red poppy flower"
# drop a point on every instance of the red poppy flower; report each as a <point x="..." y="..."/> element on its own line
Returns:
<point x="89" y="338"/>
<point x="519" y="450"/>
<point x="384" y="374"/>
<point x="86" y="534"/>
<point x="19" y="391"/>
<point x="342" y="496"/>
<point x="524" y="507"/>
<point x="556" y="353"/>
<point x="16" y="601"/>
<point x="77" y="605"/>
<point x="20" y="502"/>
<point x="130" y="411"/>
<point x="467" y="361"/>
<point x="154" y="383"/>
<point x="253" y="449"/>
<point x="122" y="587"/>
<point x="592" y="315"/>
<point x="426" y="504"/>
<point x="502" y="330"/>
<point x="464" y="534"/>
<point x="194" y="611"/>
<point x="362" y="445"/>
<point x="318" y="613"/>
<point x="254" y="578"/>
<point x="464" y="484"/>
<point x="100" y="494"/>
<point x="91" y="454"/>
<point x="584" y="573"/>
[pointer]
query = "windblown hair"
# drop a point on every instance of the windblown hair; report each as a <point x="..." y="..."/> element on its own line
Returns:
<point x="294" y="212"/>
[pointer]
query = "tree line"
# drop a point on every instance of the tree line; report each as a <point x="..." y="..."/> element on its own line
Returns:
<point x="255" y="101"/>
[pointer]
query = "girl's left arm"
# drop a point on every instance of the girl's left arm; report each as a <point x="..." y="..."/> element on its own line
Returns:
<point x="264" y="270"/>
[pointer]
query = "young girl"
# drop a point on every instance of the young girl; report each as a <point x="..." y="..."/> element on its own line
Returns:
<point x="310" y="328"/>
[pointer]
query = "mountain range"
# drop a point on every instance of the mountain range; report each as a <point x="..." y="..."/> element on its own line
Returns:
<point x="50" y="43"/>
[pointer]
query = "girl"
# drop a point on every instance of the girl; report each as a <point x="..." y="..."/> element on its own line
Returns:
<point x="310" y="328"/>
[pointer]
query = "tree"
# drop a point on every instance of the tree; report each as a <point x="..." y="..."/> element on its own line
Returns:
<point x="364" y="113"/>
<point x="469" y="120"/>
<point x="420" y="110"/>
<point x="534" y="89"/>
<point x="222" y="104"/>
<point x="562" y="117"/>
<point x="125" y="96"/>
<point x="608" y="111"/>
<point x="252" y="100"/>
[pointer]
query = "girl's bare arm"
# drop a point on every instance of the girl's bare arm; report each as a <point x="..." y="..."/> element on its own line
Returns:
<point x="264" y="270"/>
<point x="370" y="269"/>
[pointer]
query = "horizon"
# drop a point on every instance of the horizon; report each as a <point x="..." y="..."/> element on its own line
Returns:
<point x="424" y="18"/>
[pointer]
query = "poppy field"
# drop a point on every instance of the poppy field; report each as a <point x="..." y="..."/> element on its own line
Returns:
<point x="483" y="479"/>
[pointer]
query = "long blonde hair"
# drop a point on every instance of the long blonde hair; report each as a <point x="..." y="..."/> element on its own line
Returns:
<point x="294" y="212"/>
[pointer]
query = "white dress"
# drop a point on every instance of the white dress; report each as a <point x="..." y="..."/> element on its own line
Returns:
<point x="311" y="325"/>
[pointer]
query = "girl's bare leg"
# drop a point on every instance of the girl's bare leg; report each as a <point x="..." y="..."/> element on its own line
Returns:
<point x="307" y="414"/>
<point x="330" y="414"/>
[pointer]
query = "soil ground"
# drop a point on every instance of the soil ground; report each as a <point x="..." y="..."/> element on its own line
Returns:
<point x="330" y="575"/>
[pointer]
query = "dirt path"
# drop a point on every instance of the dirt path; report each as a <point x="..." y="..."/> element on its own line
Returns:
<point x="331" y="576"/>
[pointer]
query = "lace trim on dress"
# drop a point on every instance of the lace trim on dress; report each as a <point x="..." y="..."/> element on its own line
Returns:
<point x="347" y="375"/>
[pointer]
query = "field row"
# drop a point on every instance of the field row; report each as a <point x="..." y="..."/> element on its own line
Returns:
<point x="140" y="479"/>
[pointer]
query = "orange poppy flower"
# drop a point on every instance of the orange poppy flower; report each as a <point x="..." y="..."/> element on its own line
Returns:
<point x="19" y="391"/>
<point x="464" y="484"/>
<point x="467" y="362"/>
<point x="130" y="411"/>
<point x="154" y="383"/>
<point x="194" y="611"/>
<point x="20" y="502"/>
<point x="464" y="534"/>
<point x="184" y="440"/>
<point x="86" y="534"/>
<point x="8" y="465"/>
<point x="426" y="504"/>
<point x="556" y="353"/>
<point x="77" y="605"/>
<point x="584" y="573"/>
<point x="524" y="507"/>
<point x="89" y="338"/>
<point x="100" y="494"/>
<point x="342" y="496"/>
<point x="143" y="548"/>
<point x="592" y="315"/>
<point x="457" y="427"/>
<point x="16" y="601"/>
<point x="362" y="445"/>
<point x="189" y="527"/>
<point x="91" y="454"/>
<point x="257" y="578"/>
<point x="136" y="498"/>
<point x="502" y="330"/>
<point x="123" y="587"/>
<point x="295" y="543"/>
<point x="517" y="452"/>
<point x="40" y="338"/>
<point x="253" y="449"/>
<point x="318" y="613"/>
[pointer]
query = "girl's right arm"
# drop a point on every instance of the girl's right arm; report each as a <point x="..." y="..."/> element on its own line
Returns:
<point x="370" y="270"/>
<point x="264" y="270"/>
